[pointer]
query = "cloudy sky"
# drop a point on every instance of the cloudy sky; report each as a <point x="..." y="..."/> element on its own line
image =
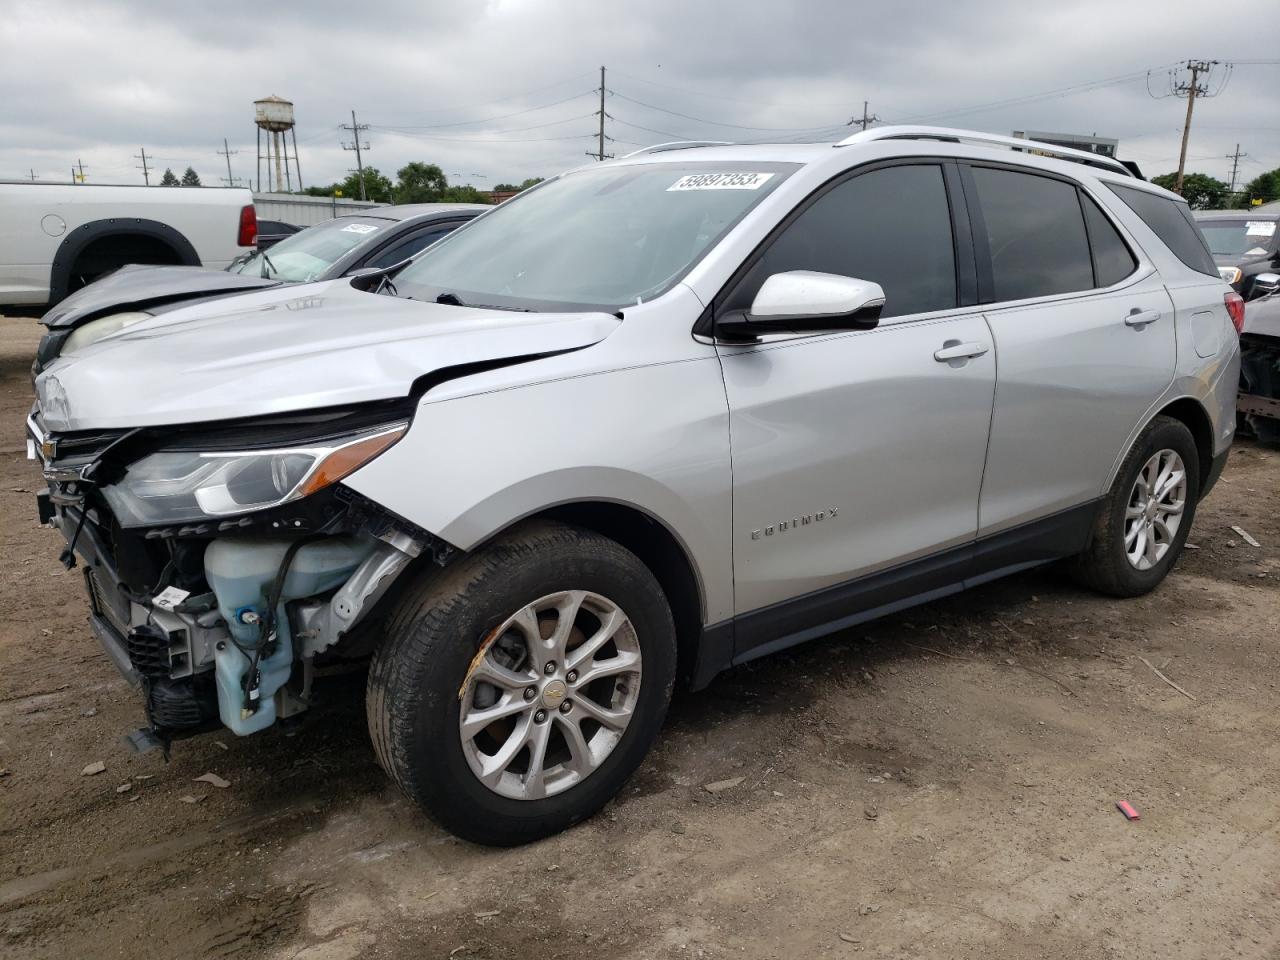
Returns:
<point x="504" y="89"/>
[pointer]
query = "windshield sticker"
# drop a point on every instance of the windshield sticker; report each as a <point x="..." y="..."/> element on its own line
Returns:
<point x="361" y="228"/>
<point x="1260" y="228"/>
<point x="721" y="181"/>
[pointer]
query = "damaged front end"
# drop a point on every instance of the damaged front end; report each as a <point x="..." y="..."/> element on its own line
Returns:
<point x="222" y="561"/>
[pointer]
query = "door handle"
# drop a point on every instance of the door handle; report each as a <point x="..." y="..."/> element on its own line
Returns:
<point x="954" y="350"/>
<point x="1140" y="318"/>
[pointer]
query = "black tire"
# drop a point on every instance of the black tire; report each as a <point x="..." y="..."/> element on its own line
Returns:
<point x="1104" y="566"/>
<point x="435" y="631"/>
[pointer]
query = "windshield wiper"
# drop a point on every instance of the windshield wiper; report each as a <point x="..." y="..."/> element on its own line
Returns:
<point x="450" y="299"/>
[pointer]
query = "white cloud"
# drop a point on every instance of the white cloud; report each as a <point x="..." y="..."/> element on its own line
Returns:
<point x="97" y="81"/>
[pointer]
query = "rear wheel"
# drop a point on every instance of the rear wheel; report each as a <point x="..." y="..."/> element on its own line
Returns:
<point x="1145" y="518"/>
<point x="515" y="693"/>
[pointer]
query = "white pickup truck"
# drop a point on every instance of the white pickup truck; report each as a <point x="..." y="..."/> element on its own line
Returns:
<point x="57" y="237"/>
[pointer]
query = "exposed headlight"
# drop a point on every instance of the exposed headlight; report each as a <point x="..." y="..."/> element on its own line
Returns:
<point x="1230" y="274"/>
<point x="182" y="487"/>
<point x="95" y="330"/>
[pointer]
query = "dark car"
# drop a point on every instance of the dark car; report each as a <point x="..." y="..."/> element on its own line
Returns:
<point x="271" y="232"/>
<point x="1244" y="243"/>
<point x="373" y="240"/>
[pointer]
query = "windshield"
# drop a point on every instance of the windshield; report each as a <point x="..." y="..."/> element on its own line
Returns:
<point x="309" y="253"/>
<point x="1238" y="238"/>
<point x="603" y="238"/>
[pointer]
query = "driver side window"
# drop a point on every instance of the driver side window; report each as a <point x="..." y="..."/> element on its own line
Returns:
<point x="891" y="226"/>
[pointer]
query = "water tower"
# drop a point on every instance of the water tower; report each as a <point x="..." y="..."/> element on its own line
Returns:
<point x="274" y="116"/>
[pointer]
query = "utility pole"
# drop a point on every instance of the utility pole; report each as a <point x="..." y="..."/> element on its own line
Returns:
<point x="33" y="174"/>
<point x="77" y="172"/>
<point x="1193" y="88"/>
<point x="1235" y="165"/>
<point x="230" y="180"/>
<point x="355" y="129"/>
<point x="867" y="119"/>
<point x="80" y="164"/>
<point x="600" y="154"/>
<point x="146" y="173"/>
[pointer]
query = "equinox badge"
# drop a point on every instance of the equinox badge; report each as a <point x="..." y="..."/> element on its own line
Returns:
<point x="801" y="521"/>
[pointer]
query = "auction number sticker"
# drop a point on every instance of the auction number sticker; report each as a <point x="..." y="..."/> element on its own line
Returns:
<point x="721" y="181"/>
<point x="361" y="228"/>
<point x="1260" y="228"/>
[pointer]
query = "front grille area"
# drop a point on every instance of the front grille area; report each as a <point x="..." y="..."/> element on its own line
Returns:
<point x="149" y="651"/>
<point x="107" y="601"/>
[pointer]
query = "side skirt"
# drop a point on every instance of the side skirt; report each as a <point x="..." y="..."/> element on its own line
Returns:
<point x="782" y="625"/>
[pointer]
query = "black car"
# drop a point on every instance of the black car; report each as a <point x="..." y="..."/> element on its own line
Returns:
<point x="1244" y="243"/>
<point x="271" y="232"/>
<point x="378" y="238"/>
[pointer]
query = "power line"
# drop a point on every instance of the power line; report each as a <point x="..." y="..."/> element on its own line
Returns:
<point x="535" y="126"/>
<point x="433" y="138"/>
<point x="503" y="116"/>
<point x="1197" y="87"/>
<point x="516" y="96"/>
<point x="866" y="120"/>
<point x="230" y="179"/>
<point x="356" y="129"/>
<point x="146" y="172"/>
<point x="714" y="123"/>
<point x="1235" y="159"/>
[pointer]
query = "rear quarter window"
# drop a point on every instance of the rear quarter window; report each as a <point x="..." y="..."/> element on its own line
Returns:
<point x="1171" y="221"/>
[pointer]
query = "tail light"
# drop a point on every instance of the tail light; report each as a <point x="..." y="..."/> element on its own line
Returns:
<point x="1235" y="307"/>
<point x="248" y="227"/>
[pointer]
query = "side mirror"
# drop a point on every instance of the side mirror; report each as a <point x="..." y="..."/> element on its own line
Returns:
<point x="1264" y="285"/>
<point x="804" y="301"/>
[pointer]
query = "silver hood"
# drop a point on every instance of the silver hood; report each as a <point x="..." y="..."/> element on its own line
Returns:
<point x="299" y="347"/>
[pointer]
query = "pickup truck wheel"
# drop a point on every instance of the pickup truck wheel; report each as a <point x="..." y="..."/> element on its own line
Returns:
<point x="1145" y="518"/>
<point x="515" y="692"/>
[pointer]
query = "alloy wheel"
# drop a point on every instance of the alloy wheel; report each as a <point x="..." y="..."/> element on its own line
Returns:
<point x="1155" y="509"/>
<point x="549" y="695"/>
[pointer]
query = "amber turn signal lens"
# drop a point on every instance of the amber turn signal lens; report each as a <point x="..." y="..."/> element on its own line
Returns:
<point x="348" y="459"/>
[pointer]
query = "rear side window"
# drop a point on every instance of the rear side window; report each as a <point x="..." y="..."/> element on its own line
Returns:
<point x="407" y="248"/>
<point x="891" y="226"/>
<point x="1171" y="221"/>
<point x="1035" y="232"/>
<point x="1112" y="258"/>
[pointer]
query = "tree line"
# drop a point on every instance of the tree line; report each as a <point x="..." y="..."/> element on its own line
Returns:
<point x="1204" y="192"/>
<point x="415" y="182"/>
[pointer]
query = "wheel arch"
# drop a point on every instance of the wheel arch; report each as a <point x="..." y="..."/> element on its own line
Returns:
<point x="657" y="547"/>
<point x="77" y="241"/>
<point x="1193" y="415"/>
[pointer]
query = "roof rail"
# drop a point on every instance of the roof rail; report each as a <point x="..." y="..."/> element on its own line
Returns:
<point x="985" y="139"/>
<point x="678" y="145"/>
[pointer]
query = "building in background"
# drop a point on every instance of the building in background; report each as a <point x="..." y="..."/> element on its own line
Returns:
<point x="1103" y="146"/>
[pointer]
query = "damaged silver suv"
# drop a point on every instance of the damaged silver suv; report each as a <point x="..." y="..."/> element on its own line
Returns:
<point x="649" y="419"/>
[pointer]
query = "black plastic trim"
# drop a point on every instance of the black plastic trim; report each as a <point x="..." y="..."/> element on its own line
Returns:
<point x="949" y="571"/>
<point x="1216" y="466"/>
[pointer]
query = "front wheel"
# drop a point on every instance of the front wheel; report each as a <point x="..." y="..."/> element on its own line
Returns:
<point x="515" y="693"/>
<point x="1145" y="517"/>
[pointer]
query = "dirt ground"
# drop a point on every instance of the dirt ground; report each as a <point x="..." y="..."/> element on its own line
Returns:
<point x="939" y="784"/>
